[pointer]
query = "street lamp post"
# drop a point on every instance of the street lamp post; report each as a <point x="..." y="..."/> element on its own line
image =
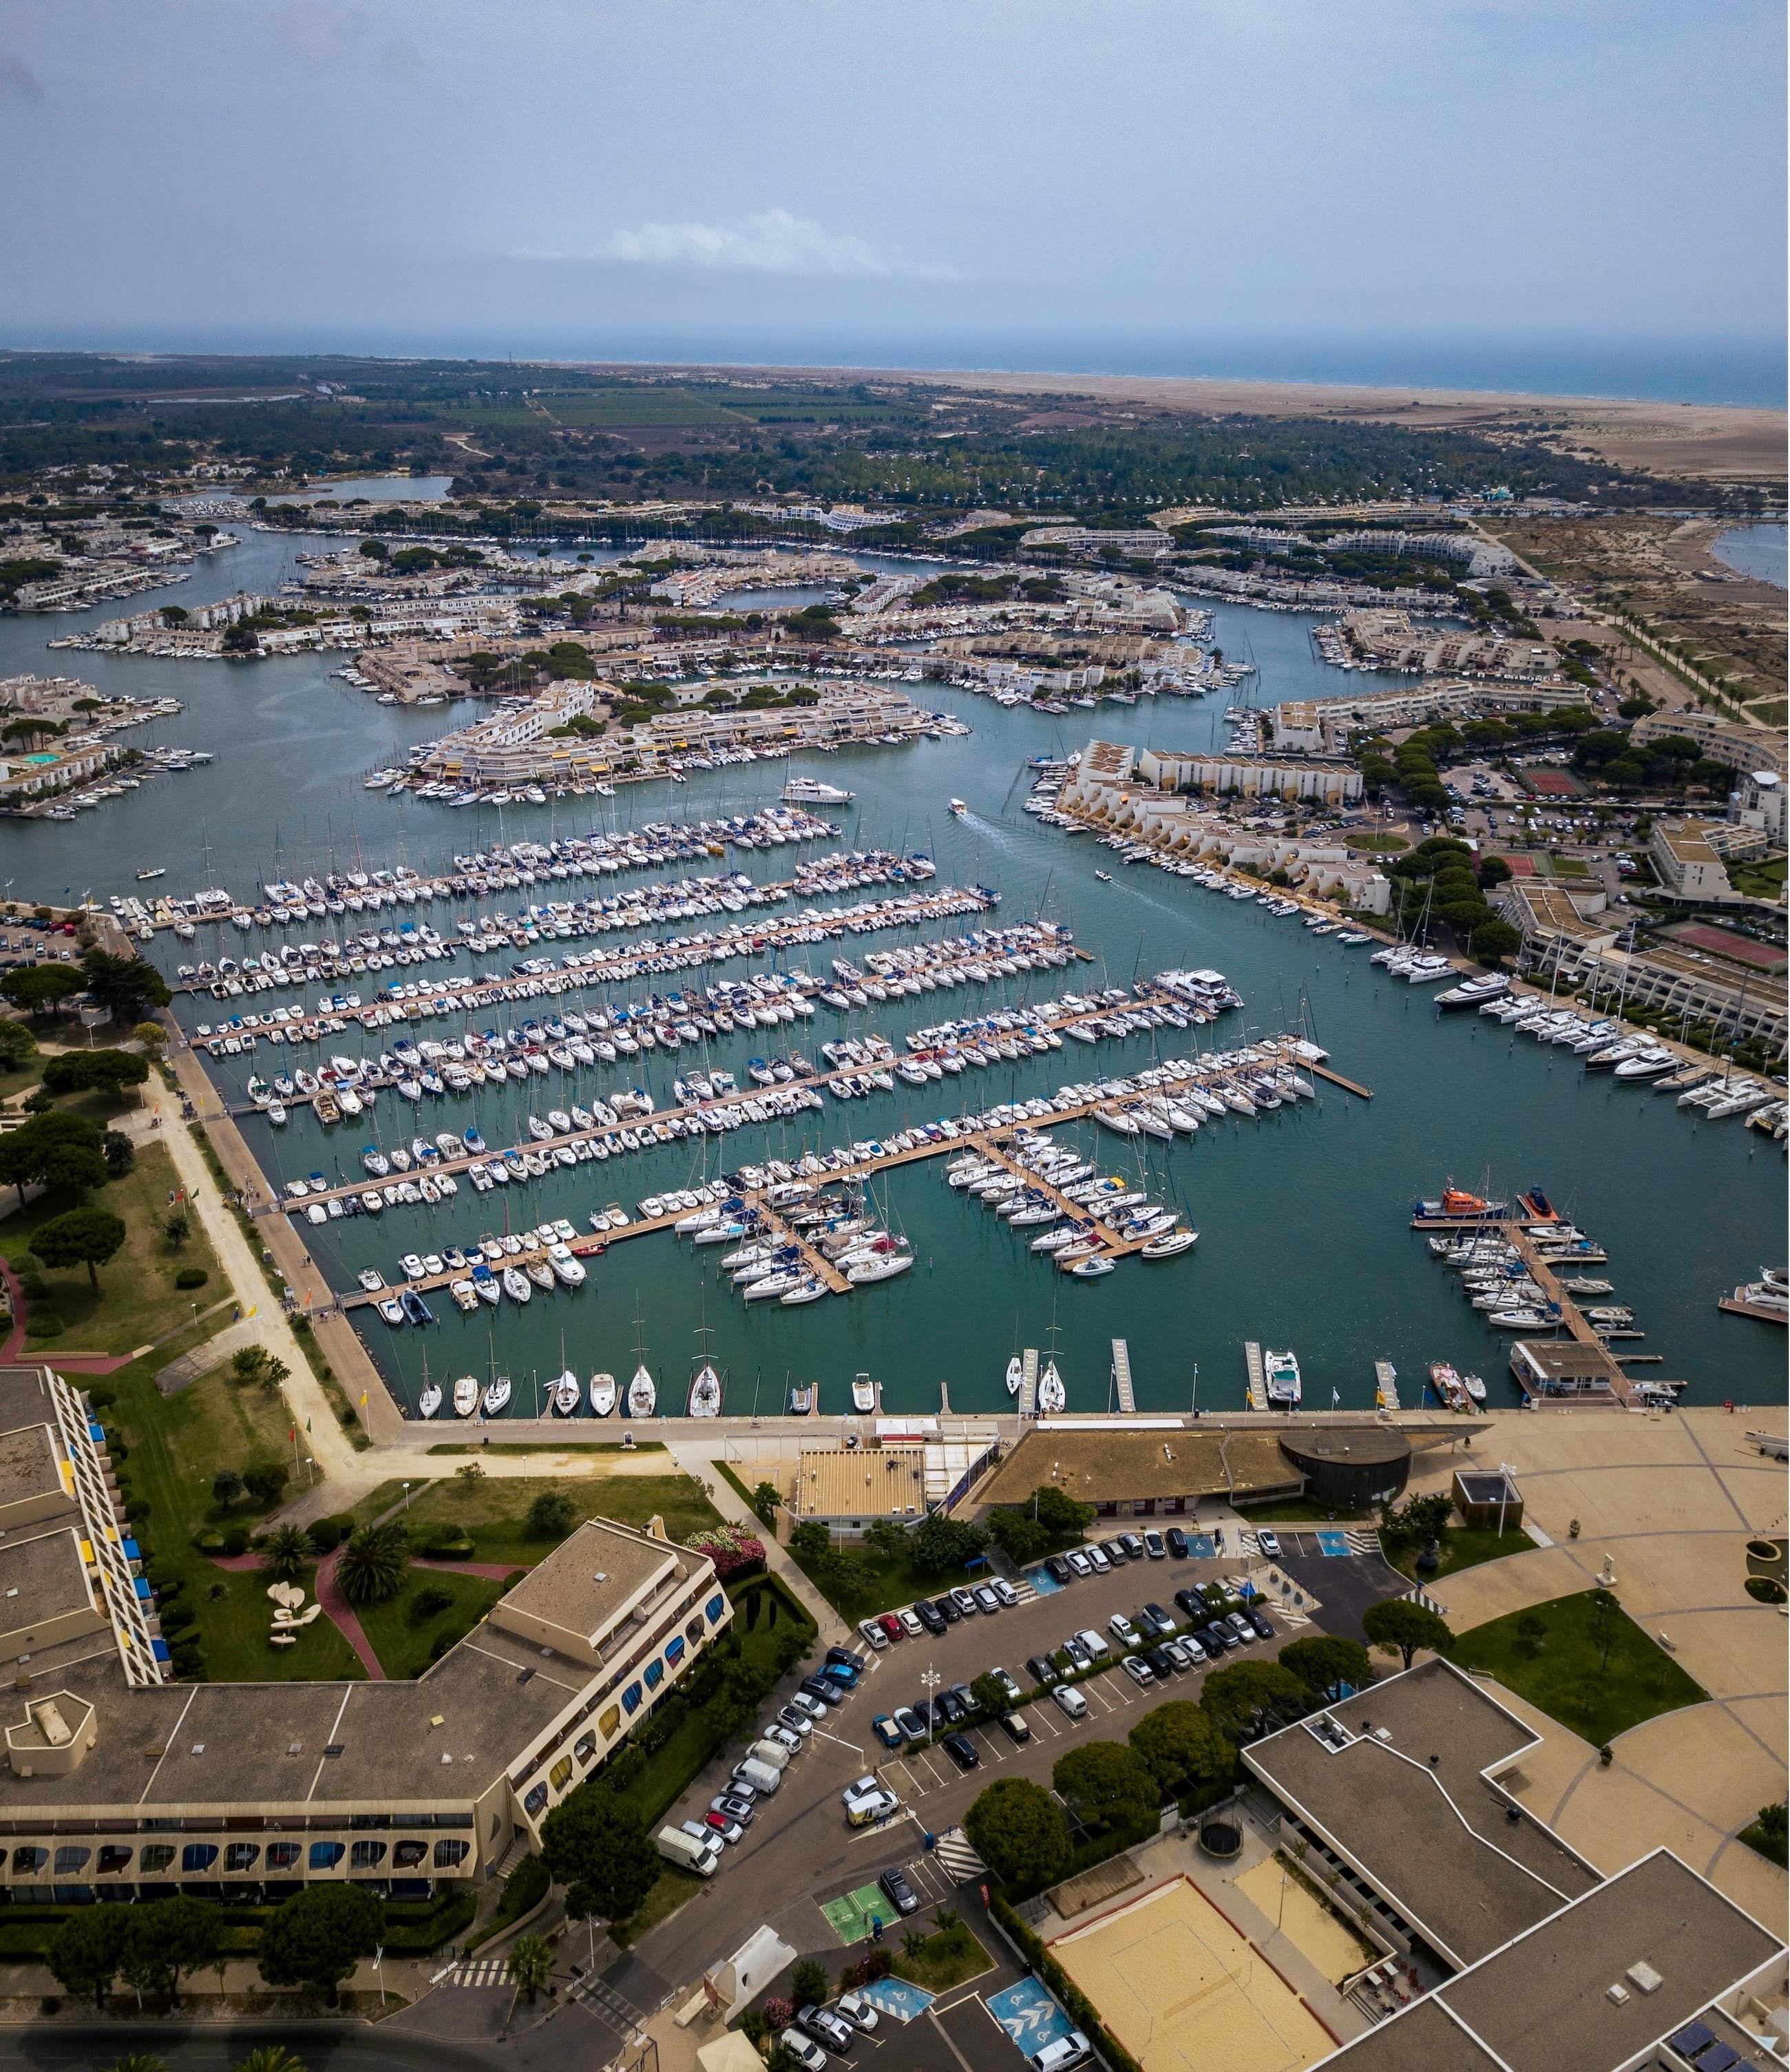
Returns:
<point x="930" y="1681"/>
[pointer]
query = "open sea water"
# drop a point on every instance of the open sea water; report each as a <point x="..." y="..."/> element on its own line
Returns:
<point x="1303" y="1214"/>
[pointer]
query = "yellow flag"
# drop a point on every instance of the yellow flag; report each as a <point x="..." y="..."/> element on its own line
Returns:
<point x="363" y="1399"/>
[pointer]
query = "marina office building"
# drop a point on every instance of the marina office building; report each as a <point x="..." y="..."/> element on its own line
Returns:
<point x="120" y="1783"/>
<point x="1536" y="1960"/>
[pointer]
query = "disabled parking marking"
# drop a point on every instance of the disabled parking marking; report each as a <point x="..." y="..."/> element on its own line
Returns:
<point x="1030" y="2016"/>
<point x="1333" y="1543"/>
<point x="897" y="1997"/>
<point x="851" y="1915"/>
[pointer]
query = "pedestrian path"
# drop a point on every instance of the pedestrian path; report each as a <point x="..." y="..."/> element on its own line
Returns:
<point x="476" y="1971"/>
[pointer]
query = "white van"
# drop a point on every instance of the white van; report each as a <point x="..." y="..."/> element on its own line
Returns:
<point x="1071" y="1700"/>
<point x="760" y="1775"/>
<point x="1058" y="2057"/>
<point x="687" y="1852"/>
<point x="773" y="1755"/>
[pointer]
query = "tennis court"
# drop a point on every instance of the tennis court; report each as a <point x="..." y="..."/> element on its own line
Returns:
<point x="1185" y="1992"/>
<point x="850" y="1916"/>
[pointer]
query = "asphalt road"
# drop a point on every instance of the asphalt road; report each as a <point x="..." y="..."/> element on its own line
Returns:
<point x="799" y="1852"/>
<point x="54" y="2047"/>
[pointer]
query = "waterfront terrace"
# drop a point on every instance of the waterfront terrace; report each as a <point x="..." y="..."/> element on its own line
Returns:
<point x="247" y="1790"/>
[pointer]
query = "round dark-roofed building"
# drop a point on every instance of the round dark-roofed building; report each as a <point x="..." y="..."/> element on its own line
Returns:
<point x="1349" y="1467"/>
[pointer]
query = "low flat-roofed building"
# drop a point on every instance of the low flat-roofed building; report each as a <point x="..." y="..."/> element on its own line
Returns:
<point x="34" y="1482"/>
<point x="1564" y="1367"/>
<point x="248" y="1790"/>
<point x="848" y="1488"/>
<point x="1398" y="1788"/>
<point x="1487" y="1499"/>
<point x="1146" y="1472"/>
<point x="1630" y="1974"/>
<point x="46" y="1594"/>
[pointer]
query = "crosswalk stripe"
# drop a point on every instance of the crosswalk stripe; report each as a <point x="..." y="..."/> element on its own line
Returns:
<point x="954" y="1850"/>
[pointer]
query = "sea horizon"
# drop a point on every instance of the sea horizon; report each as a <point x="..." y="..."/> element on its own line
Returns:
<point x="1726" y="371"/>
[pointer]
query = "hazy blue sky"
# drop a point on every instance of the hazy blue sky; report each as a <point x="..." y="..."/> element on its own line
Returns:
<point x="1060" y="182"/>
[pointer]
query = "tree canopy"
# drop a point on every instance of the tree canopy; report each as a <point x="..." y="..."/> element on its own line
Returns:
<point x="1243" y="1698"/>
<point x="83" y="1237"/>
<point x="128" y="985"/>
<point x="319" y="1935"/>
<point x="1321" y="1661"/>
<point x="38" y="987"/>
<point x="1105" y="1783"/>
<point x="1182" y="1749"/>
<point x="1401" y="1625"/>
<point x="1018" y="1831"/>
<point x="599" y="1846"/>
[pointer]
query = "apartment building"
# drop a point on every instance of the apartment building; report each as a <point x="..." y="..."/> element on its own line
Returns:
<point x="119" y="1783"/>
<point x="1321" y="727"/>
<point x="1686" y="863"/>
<point x="1746" y="748"/>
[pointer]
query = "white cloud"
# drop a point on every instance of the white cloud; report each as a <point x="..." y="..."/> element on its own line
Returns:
<point x="775" y="242"/>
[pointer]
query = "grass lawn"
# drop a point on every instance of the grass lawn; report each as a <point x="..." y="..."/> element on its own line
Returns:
<point x="137" y="1302"/>
<point x="1761" y="881"/>
<point x="175" y="1445"/>
<point x="1565" y="1677"/>
<point x="495" y="1509"/>
<point x="568" y="1446"/>
<point x="947" y="1959"/>
<point x="403" y="1637"/>
<point x="1302" y="1511"/>
<point x="1462" y="1548"/>
<point x="1377" y="844"/>
<point x="673" y="1889"/>
<point x="875" y="1583"/>
<point x="734" y="1483"/>
<point x="1570" y="866"/>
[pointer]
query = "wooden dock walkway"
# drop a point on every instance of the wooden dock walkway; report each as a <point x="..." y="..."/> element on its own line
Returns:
<point x="1336" y="1079"/>
<point x="1122" y="1378"/>
<point x="1257" y="1379"/>
<point x="1028" y="1383"/>
<point x="1386" y="1385"/>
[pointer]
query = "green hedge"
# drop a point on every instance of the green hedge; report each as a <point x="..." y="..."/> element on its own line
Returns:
<point x="1075" y="2004"/>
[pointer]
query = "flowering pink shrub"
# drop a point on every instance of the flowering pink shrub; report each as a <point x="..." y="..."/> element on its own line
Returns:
<point x="734" y="1552"/>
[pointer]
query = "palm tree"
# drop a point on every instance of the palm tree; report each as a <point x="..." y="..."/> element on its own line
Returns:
<point x="137" y="2061"/>
<point x="530" y="1964"/>
<point x="287" y="1552"/>
<point x="373" y="1562"/>
<point x="269" y="2058"/>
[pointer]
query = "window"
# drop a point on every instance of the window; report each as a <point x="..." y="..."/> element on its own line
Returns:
<point x="557" y="1777"/>
<point x="156" y="1856"/>
<point x="113" y="1859"/>
<point x="630" y="1698"/>
<point x="449" y="1856"/>
<point x="198" y="1856"/>
<point x="610" y="1720"/>
<point x="585" y="1748"/>
<point x="535" y="1800"/>
<point x="695" y="1631"/>
<point x="71" y="1860"/>
<point x="716" y="1606"/>
<point x="27" y="1859"/>
<point x="280" y="1856"/>
<point x="326" y="1856"/>
<point x="674" y="1650"/>
<point x="407" y="1854"/>
<point x="655" y="1674"/>
<point x="365" y="1856"/>
<point x="239" y="1858"/>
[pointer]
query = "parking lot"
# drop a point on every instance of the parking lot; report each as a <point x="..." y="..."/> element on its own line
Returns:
<point x="798" y="1858"/>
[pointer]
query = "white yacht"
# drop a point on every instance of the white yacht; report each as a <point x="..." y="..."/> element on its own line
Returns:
<point x="1015" y="1375"/>
<point x="497" y="1395"/>
<point x="602" y="1395"/>
<point x="642" y="1393"/>
<point x="1285" y="1388"/>
<point x="563" y="1394"/>
<point x="465" y="1396"/>
<point x="1053" y="1397"/>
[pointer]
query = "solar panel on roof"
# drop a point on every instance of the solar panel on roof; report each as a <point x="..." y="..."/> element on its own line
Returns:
<point x="1717" y="2057"/>
<point x="1693" y="2037"/>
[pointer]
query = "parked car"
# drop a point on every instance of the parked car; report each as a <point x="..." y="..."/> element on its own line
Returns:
<point x="1184" y="1651"/>
<point x="961" y="1751"/>
<point x="1078" y="1656"/>
<point x="1264" y="1629"/>
<point x="863" y="1807"/>
<point x="1160" y="1622"/>
<point x="1137" y="1669"/>
<point x="1192" y="1604"/>
<point x="825" y="2027"/>
<point x="929" y="1616"/>
<point x="844" y="1658"/>
<point x="891" y="1626"/>
<point x="912" y="1624"/>
<point x="797" y="1720"/>
<point x="1155" y="1546"/>
<point x="1041" y="1669"/>
<point x="887" y="1732"/>
<point x="855" y="2009"/>
<point x="1016" y="1728"/>
<point x="806" y="2052"/>
<point x="1095" y="1647"/>
<point x="777" y="1732"/>
<point x="1123" y="1630"/>
<point x="806" y="1701"/>
<point x="1177" y="1542"/>
<point x="1060" y="2056"/>
<point x="1268" y="1542"/>
<point x="898" y="1892"/>
<point x="736" y="1805"/>
<point x="1058" y="1570"/>
<point x="872" y="1631"/>
<point x="844" y="1674"/>
<point x="965" y="1600"/>
<point x="1071" y="1701"/>
<point x="1216" y="1639"/>
<point x="986" y="1600"/>
<point x="1244" y="1631"/>
<point x="911" y="1724"/>
<point x="1161" y="1662"/>
<point x="954" y="1709"/>
<point x="1132" y="1545"/>
<point x="1114" y="1550"/>
<point x="729" y="1830"/>
<point x="1004" y="1591"/>
<point x="1006" y="1683"/>
<point x="824" y="1688"/>
<point x="950" y="1609"/>
<point x="1098" y="1560"/>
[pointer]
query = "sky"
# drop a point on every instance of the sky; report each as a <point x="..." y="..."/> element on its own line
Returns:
<point x="1035" y="183"/>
